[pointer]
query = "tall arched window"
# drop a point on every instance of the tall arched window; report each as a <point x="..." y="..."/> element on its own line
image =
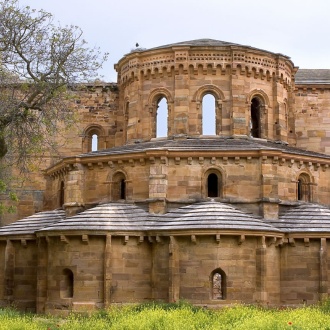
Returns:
<point x="95" y="140"/>
<point x="162" y="118"/>
<point x="67" y="284"/>
<point x="255" y="118"/>
<point x="119" y="186"/>
<point x="208" y="115"/>
<point x="218" y="284"/>
<point x="304" y="188"/>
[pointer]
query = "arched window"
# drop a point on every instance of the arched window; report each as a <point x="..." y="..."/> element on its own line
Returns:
<point x="67" y="284"/>
<point x="304" y="188"/>
<point x="95" y="140"/>
<point x="162" y="118"/>
<point x="218" y="284"/>
<point x="119" y="186"/>
<point x="213" y="183"/>
<point x="208" y="115"/>
<point x="255" y="118"/>
<point x="61" y="194"/>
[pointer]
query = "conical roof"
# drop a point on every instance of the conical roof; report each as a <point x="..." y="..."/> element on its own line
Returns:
<point x="210" y="215"/>
<point x="305" y="218"/>
<point x="110" y="216"/>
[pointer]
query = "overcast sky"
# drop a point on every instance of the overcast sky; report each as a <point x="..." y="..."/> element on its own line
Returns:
<point x="297" y="28"/>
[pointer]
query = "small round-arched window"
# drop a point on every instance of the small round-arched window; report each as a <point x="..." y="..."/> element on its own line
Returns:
<point x="119" y="186"/>
<point x="67" y="283"/>
<point x="218" y="284"/>
<point x="213" y="184"/>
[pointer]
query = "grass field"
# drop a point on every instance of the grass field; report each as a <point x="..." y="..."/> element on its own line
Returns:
<point x="178" y="316"/>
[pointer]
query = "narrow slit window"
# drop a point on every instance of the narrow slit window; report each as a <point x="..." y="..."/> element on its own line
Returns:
<point x="61" y="199"/>
<point x="122" y="189"/>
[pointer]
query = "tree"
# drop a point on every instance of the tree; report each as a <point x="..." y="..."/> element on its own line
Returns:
<point x="39" y="63"/>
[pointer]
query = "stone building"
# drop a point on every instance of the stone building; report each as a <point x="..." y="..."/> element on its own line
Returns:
<point x="162" y="195"/>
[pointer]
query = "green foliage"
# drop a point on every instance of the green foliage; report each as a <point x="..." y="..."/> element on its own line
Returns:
<point x="178" y="316"/>
<point x="10" y="197"/>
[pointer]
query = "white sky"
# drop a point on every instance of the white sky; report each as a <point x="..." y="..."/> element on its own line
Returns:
<point x="297" y="28"/>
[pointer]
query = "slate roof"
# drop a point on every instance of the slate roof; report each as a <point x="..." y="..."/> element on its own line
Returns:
<point x="209" y="215"/>
<point x="205" y="216"/>
<point x="111" y="216"/>
<point x="29" y="225"/>
<point x="208" y="144"/>
<point x="313" y="76"/>
<point x="201" y="43"/>
<point x="304" y="218"/>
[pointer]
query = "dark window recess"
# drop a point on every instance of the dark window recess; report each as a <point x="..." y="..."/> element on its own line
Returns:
<point x="212" y="185"/>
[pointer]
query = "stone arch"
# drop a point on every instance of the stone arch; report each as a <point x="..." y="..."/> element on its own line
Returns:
<point x="119" y="185"/>
<point x="155" y="97"/>
<point x="88" y="135"/>
<point x="218" y="284"/>
<point x="209" y="89"/>
<point x="304" y="189"/>
<point x="218" y="96"/>
<point x="213" y="183"/>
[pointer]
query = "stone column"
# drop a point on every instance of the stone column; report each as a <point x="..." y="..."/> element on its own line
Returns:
<point x="9" y="272"/>
<point x="174" y="271"/>
<point x="107" y="272"/>
<point x="323" y="269"/>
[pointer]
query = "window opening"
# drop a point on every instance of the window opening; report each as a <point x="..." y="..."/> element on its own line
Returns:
<point x="218" y="285"/>
<point x="212" y="185"/>
<point x="303" y="188"/>
<point x="162" y="118"/>
<point x="255" y="130"/>
<point x="67" y="284"/>
<point x="122" y="189"/>
<point x="208" y="115"/>
<point x="61" y="193"/>
<point x="95" y="139"/>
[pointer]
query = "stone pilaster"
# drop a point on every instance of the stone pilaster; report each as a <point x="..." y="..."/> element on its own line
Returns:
<point x="9" y="272"/>
<point x="261" y="272"/>
<point x="42" y="275"/>
<point x="174" y="271"/>
<point x="323" y="269"/>
<point x="107" y="272"/>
